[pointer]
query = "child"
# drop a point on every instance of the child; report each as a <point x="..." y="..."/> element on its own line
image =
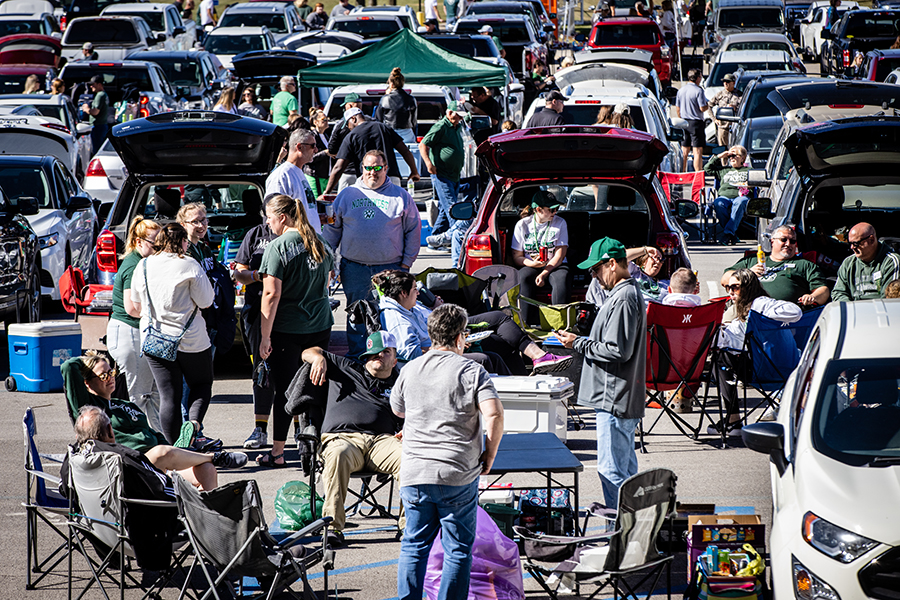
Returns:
<point x="683" y="289"/>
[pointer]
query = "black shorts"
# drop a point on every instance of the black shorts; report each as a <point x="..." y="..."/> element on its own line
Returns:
<point x="694" y="135"/>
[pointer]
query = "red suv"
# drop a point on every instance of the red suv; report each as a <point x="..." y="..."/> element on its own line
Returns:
<point x="635" y="32"/>
<point x="604" y="178"/>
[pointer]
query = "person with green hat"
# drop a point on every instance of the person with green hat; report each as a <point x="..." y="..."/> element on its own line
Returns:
<point x="539" y="245"/>
<point x="612" y="379"/>
<point x="341" y="131"/>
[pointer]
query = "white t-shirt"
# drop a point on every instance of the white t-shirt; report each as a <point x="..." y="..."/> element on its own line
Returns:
<point x="206" y="7"/>
<point x="431" y="10"/>
<point x="732" y="334"/>
<point x="530" y="236"/>
<point x="289" y="179"/>
<point x="177" y="285"/>
<point x="683" y="300"/>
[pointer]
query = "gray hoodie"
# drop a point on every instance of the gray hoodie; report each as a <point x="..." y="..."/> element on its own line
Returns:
<point x="615" y="354"/>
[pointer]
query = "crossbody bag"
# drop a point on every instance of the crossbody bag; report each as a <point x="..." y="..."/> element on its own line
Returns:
<point x="156" y="343"/>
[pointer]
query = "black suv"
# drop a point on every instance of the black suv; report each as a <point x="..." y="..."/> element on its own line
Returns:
<point x="20" y="262"/>
<point x="857" y="31"/>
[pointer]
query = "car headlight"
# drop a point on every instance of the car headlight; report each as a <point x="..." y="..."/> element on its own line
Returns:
<point x="809" y="587"/>
<point x="48" y="241"/>
<point x="833" y="541"/>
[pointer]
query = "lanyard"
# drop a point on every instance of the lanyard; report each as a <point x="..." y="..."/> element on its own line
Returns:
<point x="541" y="237"/>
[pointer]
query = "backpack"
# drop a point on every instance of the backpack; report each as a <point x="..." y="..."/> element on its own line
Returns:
<point x="220" y="316"/>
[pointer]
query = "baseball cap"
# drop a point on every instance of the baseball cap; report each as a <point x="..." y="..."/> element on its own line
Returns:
<point x="555" y="95"/>
<point x="603" y="250"/>
<point x="97" y="79"/>
<point x="87" y="46"/>
<point x="352" y="113"/>
<point x="453" y="105"/>
<point x="486" y="29"/>
<point x="729" y="77"/>
<point x="352" y="97"/>
<point x="378" y="341"/>
<point x="545" y="199"/>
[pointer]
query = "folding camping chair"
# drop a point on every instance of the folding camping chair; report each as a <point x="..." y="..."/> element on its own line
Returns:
<point x="691" y="186"/>
<point x="679" y="339"/>
<point x="646" y="501"/>
<point x="41" y="502"/>
<point x="230" y="540"/>
<point x="81" y="299"/>
<point x="502" y="288"/>
<point x="365" y="503"/>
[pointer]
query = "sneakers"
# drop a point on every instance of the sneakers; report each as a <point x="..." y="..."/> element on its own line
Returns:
<point x="436" y="242"/>
<point x="257" y="439"/>
<point x="769" y="415"/>
<point x="205" y="444"/>
<point x="728" y="240"/>
<point x="730" y="428"/>
<point x="551" y="363"/>
<point x="229" y="460"/>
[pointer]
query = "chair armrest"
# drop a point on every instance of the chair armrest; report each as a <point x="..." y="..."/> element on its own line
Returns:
<point x="142" y="502"/>
<point x="306" y="531"/>
<point x="599" y="510"/>
<point x="45" y="476"/>
<point x="57" y="458"/>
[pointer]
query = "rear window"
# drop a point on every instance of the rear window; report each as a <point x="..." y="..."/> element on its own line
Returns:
<point x="20" y="182"/>
<point x="52" y="111"/>
<point x="720" y="70"/>
<point x="16" y="27"/>
<point x="13" y="84"/>
<point x="233" y="44"/>
<point x="509" y="32"/>
<point x="367" y="27"/>
<point x="102" y="31"/>
<point x="586" y="114"/>
<point x="115" y="82"/>
<point x="625" y="35"/>
<point x="759" y="46"/>
<point x="758" y="105"/>
<point x="180" y="72"/>
<point x="429" y="108"/>
<point x="476" y="48"/>
<point x="862" y="25"/>
<point x="741" y="18"/>
<point x="884" y="67"/>
<point x="591" y="197"/>
<point x="274" y="21"/>
<point x="762" y="139"/>
<point x="155" y="19"/>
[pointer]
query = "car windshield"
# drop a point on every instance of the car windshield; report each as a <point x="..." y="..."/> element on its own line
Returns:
<point x="758" y="105"/>
<point x="509" y="32"/>
<point x="720" y="70"/>
<point x="13" y="83"/>
<point x="857" y="416"/>
<point x="55" y="111"/>
<point x="783" y="46"/>
<point x="586" y="114"/>
<point x="591" y="197"/>
<point x="474" y="47"/>
<point x="762" y="139"/>
<point x="743" y="18"/>
<point x="274" y="21"/>
<point x="102" y="31"/>
<point x="368" y="27"/>
<point x="862" y="25"/>
<point x="19" y="26"/>
<point x="233" y="44"/>
<point x="625" y="35"/>
<point x="20" y="182"/>
<point x="179" y="72"/>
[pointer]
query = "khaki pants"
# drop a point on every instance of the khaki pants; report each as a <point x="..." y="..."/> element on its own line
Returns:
<point x="346" y="453"/>
<point x="723" y="135"/>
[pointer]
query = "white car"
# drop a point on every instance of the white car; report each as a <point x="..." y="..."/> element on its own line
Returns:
<point x="812" y="24"/>
<point x="163" y="19"/>
<point x="405" y="13"/>
<point x="228" y="42"/>
<point x="835" y="451"/>
<point x="39" y="136"/>
<point x="105" y="176"/>
<point x="747" y="60"/>
<point x="760" y="41"/>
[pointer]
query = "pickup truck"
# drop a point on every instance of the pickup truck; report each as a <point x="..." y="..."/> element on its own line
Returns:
<point x="113" y="38"/>
<point x="858" y="30"/>
<point x="163" y="19"/>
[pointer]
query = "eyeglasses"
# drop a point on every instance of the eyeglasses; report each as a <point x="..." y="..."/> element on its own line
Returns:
<point x="732" y="287"/>
<point x="307" y="145"/>
<point x="373" y="168"/>
<point x="595" y="269"/>
<point x="202" y="221"/>
<point x="785" y="240"/>
<point x="111" y="374"/>
<point x="859" y="242"/>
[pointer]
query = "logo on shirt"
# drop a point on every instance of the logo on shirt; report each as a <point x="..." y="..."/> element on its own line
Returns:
<point x="369" y="214"/>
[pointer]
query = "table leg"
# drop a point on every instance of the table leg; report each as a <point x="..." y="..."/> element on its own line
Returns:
<point x="577" y="507"/>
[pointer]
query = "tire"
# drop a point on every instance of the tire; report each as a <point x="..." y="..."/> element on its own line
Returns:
<point x="10" y="384"/>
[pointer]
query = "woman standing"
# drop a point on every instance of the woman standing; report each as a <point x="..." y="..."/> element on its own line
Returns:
<point x="667" y="24"/>
<point x="251" y="107"/>
<point x="123" y="334"/>
<point x="295" y="312"/>
<point x="397" y="108"/>
<point x="539" y="245"/>
<point x="192" y="217"/>
<point x="225" y="102"/>
<point x="169" y="290"/>
<point x="318" y="169"/>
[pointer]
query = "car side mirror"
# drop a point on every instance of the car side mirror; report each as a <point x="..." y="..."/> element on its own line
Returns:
<point x="678" y="123"/>
<point x="161" y="37"/>
<point x="83" y="129"/>
<point x="767" y="438"/>
<point x="726" y="113"/>
<point x="707" y="52"/>
<point x="685" y="209"/>
<point x="826" y="34"/>
<point x="479" y="122"/>
<point x="463" y="211"/>
<point x="178" y="31"/>
<point x="670" y="92"/>
<point x="27" y="206"/>
<point x="77" y="203"/>
<point x="757" y="178"/>
<point x="515" y="88"/>
<point x="761" y="208"/>
<point x="676" y="134"/>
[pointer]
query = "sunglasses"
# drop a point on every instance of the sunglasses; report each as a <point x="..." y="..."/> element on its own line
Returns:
<point x="785" y="240"/>
<point x="732" y="287"/>
<point x="111" y="374"/>
<point x="859" y="242"/>
<point x="373" y="168"/>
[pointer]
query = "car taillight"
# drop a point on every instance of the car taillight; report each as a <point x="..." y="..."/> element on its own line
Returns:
<point x="846" y="58"/>
<point x="56" y="127"/>
<point x="478" y="252"/>
<point x="62" y="23"/>
<point x="95" y="169"/>
<point x="588" y="102"/>
<point x="144" y="110"/>
<point x="837" y="106"/>
<point x="106" y="252"/>
<point x="667" y="243"/>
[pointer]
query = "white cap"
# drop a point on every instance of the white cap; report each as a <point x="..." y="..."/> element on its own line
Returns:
<point x="352" y="113"/>
<point x="621" y="108"/>
<point x="486" y="29"/>
<point x="87" y="46"/>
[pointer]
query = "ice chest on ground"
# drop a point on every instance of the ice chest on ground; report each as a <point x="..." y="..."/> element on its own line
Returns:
<point x="534" y="404"/>
<point x="38" y="350"/>
<point x="727" y="532"/>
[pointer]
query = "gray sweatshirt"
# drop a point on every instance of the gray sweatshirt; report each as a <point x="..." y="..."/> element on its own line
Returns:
<point x="375" y="227"/>
<point x="615" y="354"/>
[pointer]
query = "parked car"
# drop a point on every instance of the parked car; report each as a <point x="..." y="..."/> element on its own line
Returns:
<point x="835" y="459"/>
<point x="197" y="76"/>
<point x="161" y="158"/>
<point x="760" y="41"/>
<point x="66" y="224"/>
<point x="405" y="13"/>
<point x="20" y="269"/>
<point x="163" y="19"/>
<point x="30" y="49"/>
<point x="141" y="83"/>
<point x="13" y="77"/>
<point x="511" y="7"/>
<point x="262" y="70"/>
<point x="113" y="38"/>
<point x="280" y="18"/>
<point x="635" y="32"/>
<point x="856" y="31"/>
<point x="604" y="178"/>
<point x="104" y="178"/>
<point x="794" y="12"/>
<point x="742" y="16"/>
<point x="522" y="43"/>
<point x="755" y="104"/>
<point x="85" y="8"/>
<point x="629" y="64"/>
<point x="747" y="60"/>
<point x="879" y="63"/>
<point x="812" y="24"/>
<point x="41" y="24"/>
<point x="228" y="42"/>
<point x="368" y="26"/>
<point x="60" y="108"/>
<point x="893" y="77"/>
<point x="27" y="133"/>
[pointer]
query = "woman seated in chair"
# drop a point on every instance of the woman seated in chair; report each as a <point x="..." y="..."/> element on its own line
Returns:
<point x="644" y="265"/>
<point x="731" y="199"/>
<point x="539" y="245"/>
<point x="747" y="294"/>
<point x="407" y="319"/>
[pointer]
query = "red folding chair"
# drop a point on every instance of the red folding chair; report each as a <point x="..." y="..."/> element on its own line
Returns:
<point x="679" y="340"/>
<point x="689" y="186"/>
<point x="80" y="298"/>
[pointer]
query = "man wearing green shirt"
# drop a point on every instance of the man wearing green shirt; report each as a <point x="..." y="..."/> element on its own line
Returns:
<point x="98" y="111"/>
<point x="285" y="104"/>
<point x="443" y="154"/>
<point x="866" y="274"/>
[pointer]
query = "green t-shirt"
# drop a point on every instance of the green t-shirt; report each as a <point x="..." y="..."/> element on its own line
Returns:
<point x="858" y="280"/>
<point x="446" y="149"/>
<point x="101" y="102"/>
<point x="730" y="179"/>
<point x="121" y="283"/>
<point x="303" y="306"/>
<point x="786" y="280"/>
<point x="282" y="105"/>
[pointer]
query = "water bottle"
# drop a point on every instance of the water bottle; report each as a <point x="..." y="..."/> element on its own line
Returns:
<point x="411" y="186"/>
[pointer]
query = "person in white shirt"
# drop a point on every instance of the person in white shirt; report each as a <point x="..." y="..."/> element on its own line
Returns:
<point x="289" y="179"/>
<point x="683" y="289"/>
<point x="208" y="13"/>
<point x="432" y="13"/>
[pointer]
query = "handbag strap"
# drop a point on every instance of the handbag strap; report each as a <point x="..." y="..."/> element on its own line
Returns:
<point x="150" y="303"/>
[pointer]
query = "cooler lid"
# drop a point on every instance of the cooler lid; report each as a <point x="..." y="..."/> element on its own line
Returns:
<point x="45" y="329"/>
<point x="535" y="383"/>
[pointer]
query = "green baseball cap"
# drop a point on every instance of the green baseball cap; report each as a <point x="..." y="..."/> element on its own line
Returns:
<point x="351" y="97"/>
<point x="545" y="199"/>
<point x="377" y="342"/>
<point x="453" y="105"/>
<point x="603" y="250"/>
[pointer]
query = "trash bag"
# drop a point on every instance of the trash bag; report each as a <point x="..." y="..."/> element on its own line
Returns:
<point x="496" y="568"/>
<point x="293" y="506"/>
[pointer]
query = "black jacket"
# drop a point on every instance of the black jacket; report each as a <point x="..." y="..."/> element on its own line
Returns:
<point x="397" y="110"/>
<point x="546" y="117"/>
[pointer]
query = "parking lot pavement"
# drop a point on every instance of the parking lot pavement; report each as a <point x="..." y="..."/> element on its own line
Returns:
<point x="736" y="479"/>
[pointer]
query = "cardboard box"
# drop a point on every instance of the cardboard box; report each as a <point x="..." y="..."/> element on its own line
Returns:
<point x="728" y="532"/>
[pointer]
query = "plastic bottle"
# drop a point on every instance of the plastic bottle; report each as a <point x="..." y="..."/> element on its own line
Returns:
<point x="760" y="255"/>
<point x="411" y="186"/>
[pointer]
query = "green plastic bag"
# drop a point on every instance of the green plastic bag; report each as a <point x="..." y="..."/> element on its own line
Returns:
<point x="293" y="506"/>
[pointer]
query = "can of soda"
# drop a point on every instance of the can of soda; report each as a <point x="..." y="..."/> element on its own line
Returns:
<point x="543" y="254"/>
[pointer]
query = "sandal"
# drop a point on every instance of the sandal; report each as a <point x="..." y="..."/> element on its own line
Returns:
<point x="268" y="460"/>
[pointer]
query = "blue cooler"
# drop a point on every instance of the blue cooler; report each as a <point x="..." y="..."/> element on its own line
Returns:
<point x="38" y="350"/>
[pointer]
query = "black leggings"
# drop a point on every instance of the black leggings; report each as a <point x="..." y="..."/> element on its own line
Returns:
<point x="284" y="362"/>
<point x="559" y="290"/>
<point x="731" y="366"/>
<point x="195" y="368"/>
<point x="508" y="341"/>
<point x="262" y="397"/>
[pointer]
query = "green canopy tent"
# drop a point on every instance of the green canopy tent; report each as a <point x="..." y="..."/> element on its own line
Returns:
<point x="421" y="62"/>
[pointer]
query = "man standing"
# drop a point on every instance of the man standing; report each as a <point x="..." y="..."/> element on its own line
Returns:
<point x="317" y="19"/>
<point x="482" y="103"/>
<point x="612" y="381"/>
<point x="284" y="104"/>
<point x="551" y="114"/>
<point x="432" y="14"/>
<point x="343" y="8"/>
<point x="690" y="104"/>
<point x="341" y="131"/>
<point x="377" y="226"/>
<point x="865" y="275"/>
<point x="727" y="97"/>
<point x="207" y="14"/>
<point x="289" y="178"/>
<point x="98" y="111"/>
<point x="442" y="151"/>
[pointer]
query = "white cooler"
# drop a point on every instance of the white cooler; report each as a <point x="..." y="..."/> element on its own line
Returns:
<point x="534" y="404"/>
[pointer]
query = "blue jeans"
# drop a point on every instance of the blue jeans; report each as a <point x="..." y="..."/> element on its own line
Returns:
<point x="616" y="459"/>
<point x="452" y="509"/>
<point x="447" y="193"/>
<point x="729" y="212"/>
<point x="356" y="279"/>
<point x="98" y="136"/>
